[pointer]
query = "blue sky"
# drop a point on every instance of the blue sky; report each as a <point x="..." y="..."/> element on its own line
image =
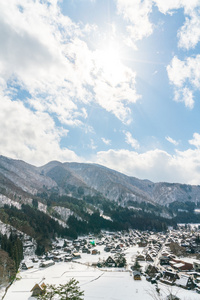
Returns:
<point x="110" y="82"/>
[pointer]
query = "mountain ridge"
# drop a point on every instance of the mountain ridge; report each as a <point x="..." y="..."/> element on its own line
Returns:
<point x="79" y="179"/>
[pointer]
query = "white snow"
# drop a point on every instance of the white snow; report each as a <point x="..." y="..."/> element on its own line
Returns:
<point x="102" y="284"/>
<point x="8" y="201"/>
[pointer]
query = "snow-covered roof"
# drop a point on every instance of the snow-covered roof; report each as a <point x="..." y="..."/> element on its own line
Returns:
<point x="179" y="265"/>
<point x="183" y="280"/>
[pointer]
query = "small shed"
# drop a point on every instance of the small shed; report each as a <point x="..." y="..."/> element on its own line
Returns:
<point x="95" y="251"/>
<point x="172" y="297"/>
<point x="136" y="275"/>
<point x="76" y="255"/>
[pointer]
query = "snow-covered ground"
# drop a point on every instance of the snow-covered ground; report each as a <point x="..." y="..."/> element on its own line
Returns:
<point x="104" y="284"/>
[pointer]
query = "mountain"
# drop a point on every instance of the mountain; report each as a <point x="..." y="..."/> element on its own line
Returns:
<point x="19" y="180"/>
<point x="117" y="186"/>
<point x="71" y="199"/>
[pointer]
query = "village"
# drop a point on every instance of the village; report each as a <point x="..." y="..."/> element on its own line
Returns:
<point x="154" y="262"/>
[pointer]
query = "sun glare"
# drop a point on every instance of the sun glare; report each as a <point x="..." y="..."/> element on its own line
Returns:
<point x="109" y="62"/>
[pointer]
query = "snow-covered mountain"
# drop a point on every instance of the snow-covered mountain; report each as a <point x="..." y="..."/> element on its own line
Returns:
<point x="20" y="181"/>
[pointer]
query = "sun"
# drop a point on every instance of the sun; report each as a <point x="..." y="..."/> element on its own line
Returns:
<point x="108" y="61"/>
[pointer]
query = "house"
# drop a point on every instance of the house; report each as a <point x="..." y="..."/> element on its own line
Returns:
<point x="140" y="257"/>
<point x="58" y="258"/>
<point x="182" y="265"/>
<point x="149" y="257"/>
<point x="185" y="282"/>
<point x="68" y="250"/>
<point x="38" y="290"/>
<point x="68" y="258"/>
<point x="142" y="244"/>
<point x="95" y="251"/>
<point x="152" y="270"/>
<point x="136" y="275"/>
<point x="110" y="262"/>
<point x="172" y="297"/>
<point x="169" y="277"/>
<point x="107" y="249"/>
<point x="164" y="260"/>
<point x="85" y="250"/>
<point x="47" y="264"/>
<point x="196" y="265"/>
<point x="76" y="255"/>
<point x="26" y="266"/>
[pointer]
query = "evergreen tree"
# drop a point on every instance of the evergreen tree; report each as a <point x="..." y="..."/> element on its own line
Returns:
<point x="68" y="291"/>
<point x="136" y="266"/>
<point x="120" y="260"/>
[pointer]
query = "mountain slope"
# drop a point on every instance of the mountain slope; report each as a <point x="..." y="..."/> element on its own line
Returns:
<point x="79" y="179"/>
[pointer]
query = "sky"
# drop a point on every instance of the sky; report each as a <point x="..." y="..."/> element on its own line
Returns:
<point x="112" y="82"/>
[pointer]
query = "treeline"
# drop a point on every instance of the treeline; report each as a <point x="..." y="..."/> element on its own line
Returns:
<point x="144" y="218"/>
<point x="44" y="228"/>
<point x="141" y="220"/>
<point x="33" y="222"/>
<point x="13" y="246"/>
<point x="122" y="219"/>
<point x="184" y="212"/>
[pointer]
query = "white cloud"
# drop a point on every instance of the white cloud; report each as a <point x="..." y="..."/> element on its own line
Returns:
<point x="44" y="52"/>
<point x="172" y="141"/>
<point x="114" y="85"/>
<point x="185" y="76"/>
<point x="170" y="6"/>
<point x="155" y="165"/>
<point x="105" y="141"/>
<point x="31" y="136"/>
<point x="189" y="33"/>
<point x="196" y="140"/>
<point x="136" y="13"/>
<point x="130" y="140"/>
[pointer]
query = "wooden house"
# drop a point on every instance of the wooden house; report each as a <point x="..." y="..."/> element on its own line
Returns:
<point x="185" y="282"/>
<point x="68" y="258"/>
<point x="136" y="275"/>
<point x="38" y="290"/>
<point x="95" y="251"/>
<point x="142" y="243"/>
<point x="164" y="260"/>
<point x="182" y="265"/>
<point x="26" y="266"/>
<point x="149" y="257"/>
<point x="196" y="265"/>
<point x="47" y="264"/>
<point x="110" y="262"/>
<point x="140" y="257"/>
<point x="152" y="270"/>
<point x="169" y="277"/>
<point x="172" y="297"/>
<point x="76" y="255"/>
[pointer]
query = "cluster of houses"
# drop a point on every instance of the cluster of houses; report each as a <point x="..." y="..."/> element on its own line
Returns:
<point x="158" y="261"/>
<point x="164" y="264"/>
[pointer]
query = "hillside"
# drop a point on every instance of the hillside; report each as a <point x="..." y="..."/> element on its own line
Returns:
<point x="68" y="199"/>
<point x="19" y="179"/>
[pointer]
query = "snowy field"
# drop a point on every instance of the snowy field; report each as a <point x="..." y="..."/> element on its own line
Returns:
<point x="102" y="284"/>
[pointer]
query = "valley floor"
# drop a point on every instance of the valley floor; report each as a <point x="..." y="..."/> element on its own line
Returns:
<point x="102" y="284"/>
